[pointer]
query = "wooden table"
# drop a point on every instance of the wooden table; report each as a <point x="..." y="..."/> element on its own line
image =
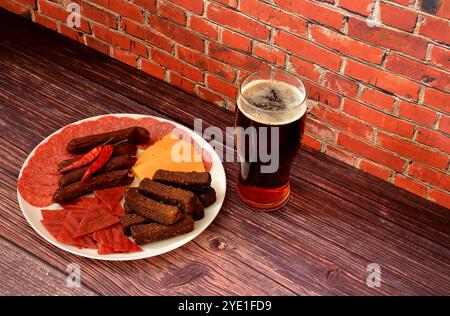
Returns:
<point x="337" y="221"/>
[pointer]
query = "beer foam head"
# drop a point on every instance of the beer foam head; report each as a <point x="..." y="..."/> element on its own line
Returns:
<point x="272" y="102"/>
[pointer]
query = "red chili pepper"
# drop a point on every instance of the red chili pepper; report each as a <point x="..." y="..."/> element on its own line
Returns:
<point x="84" y="160"/>
<point x="102" y="159"/>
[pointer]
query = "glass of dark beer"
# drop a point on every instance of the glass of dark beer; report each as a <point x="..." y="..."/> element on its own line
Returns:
<point x="269" y="125"/>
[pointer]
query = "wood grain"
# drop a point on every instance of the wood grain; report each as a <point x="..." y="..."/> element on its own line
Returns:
<point x="26" y="275"/>
<point x="338" y="219"/>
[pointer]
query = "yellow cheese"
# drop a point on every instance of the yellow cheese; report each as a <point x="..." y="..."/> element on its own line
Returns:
<point x="169" y="153"/>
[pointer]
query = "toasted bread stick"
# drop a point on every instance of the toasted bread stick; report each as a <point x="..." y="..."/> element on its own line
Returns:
<point x="208" y="197"/>
<point x="115" y="163"/>
<point x="151" y="209"/>
<point x="145" y="233"/>
<point x="187" y="201"/>
<point x="193" y="181"/>
<point x="101" y="181"/>
<point x="135" y="135"/>
<point x="128" y="220"/>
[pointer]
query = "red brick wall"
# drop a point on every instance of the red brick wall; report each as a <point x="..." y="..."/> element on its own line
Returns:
<point x="382" y="101"/>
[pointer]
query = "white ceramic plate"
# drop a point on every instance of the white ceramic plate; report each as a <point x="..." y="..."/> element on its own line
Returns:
<point x="33" y="214"/>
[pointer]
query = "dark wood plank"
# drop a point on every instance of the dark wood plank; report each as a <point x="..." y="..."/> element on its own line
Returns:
<point x="26" y="275"/>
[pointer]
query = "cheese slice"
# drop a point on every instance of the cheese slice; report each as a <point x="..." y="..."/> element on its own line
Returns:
<point x="169" y="153"/>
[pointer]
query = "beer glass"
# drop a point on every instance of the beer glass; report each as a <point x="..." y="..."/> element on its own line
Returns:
<point x="269" y="126"/>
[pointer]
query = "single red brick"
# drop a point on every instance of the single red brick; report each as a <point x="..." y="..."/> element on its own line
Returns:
<point x="417" y="113"/>
<point x="134" y="29"/>
<point x="435" y="29"/>
<point x="418" y="71"/>
<point x="398" y="17"/>
<point x="319" y="130"/>
<point x="444" y="124"/>
<point x="375" y="169"/>
<point x="340" y="84"/>
<point x="364" y="149"/>
<point x="303" y="68"/>
<point x="433" y="139"/>
<point x="359" y="6"/>
<point x="395" y="40"/>
<point x="319" y="94"/>
<point x="208" y="95"/>
<point x="235" y="58"/>
<point x="204" y="62"/>
<point x="269" y="53"/>
<point x="182" y="82"/>
<point x="379" y="119"/>
<point x="53" y="10"/>
<point x="149" y="5"/>
<point x="346" y="45"/>
<point x="120" y="40"/>
<point x="410" y="185"/>
<point x="431" y="176"/>
<point x="146" y="34"/>
<point x="308" y="50"/>
<point x="440" y="198"/>
<point x="440" y="56"/>
<point x="412" y="150"/>
<point x="341" y="121"/>
<point x="313" y="11"/>
<point x="172" y="63"/>
<point x="236" y="40"/>
<point x="237" y="21"/>
<point x="126" y="9"/>
<point x="437" y="99"/>
<point x="202" y="26"/>
<point x="179" y="34"/>
<point x="195" y="6"/>
<point x="124" y="56"/>
<point x="97" y="45"/>
<point x="311" y="142"/>
<point x="71" y="33"/>
<point x="378" y="99"/>
<point x="225" y="88"/>
<point x="152" y="69"/>
<point x="98" y="15"/>
<point x="341" y="155"/>
<point x="19" y="9"/>
<point x="43" y="20"/>
<point x="230" y="3"/>
<point x="382" y="79"/>
<point x="273" y="16"/>
<point x="172" y="12"/>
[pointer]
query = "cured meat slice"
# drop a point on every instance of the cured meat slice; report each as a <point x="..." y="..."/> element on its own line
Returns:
<point x="95" y="219"/>
<point x="111" y="197"/>
<point x="118" y="210"/>
<point x="104" y="236"/>
<point x="105" y="250"/>
<point x="80" y="203"/>
<point x="115" y="241"/>
<point x="53" y="221"/>
<point x="67" y="233"/>
<point x="120" y="241"/>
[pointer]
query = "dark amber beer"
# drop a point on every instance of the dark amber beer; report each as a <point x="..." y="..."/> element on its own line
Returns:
<point x="269" y="125"/>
